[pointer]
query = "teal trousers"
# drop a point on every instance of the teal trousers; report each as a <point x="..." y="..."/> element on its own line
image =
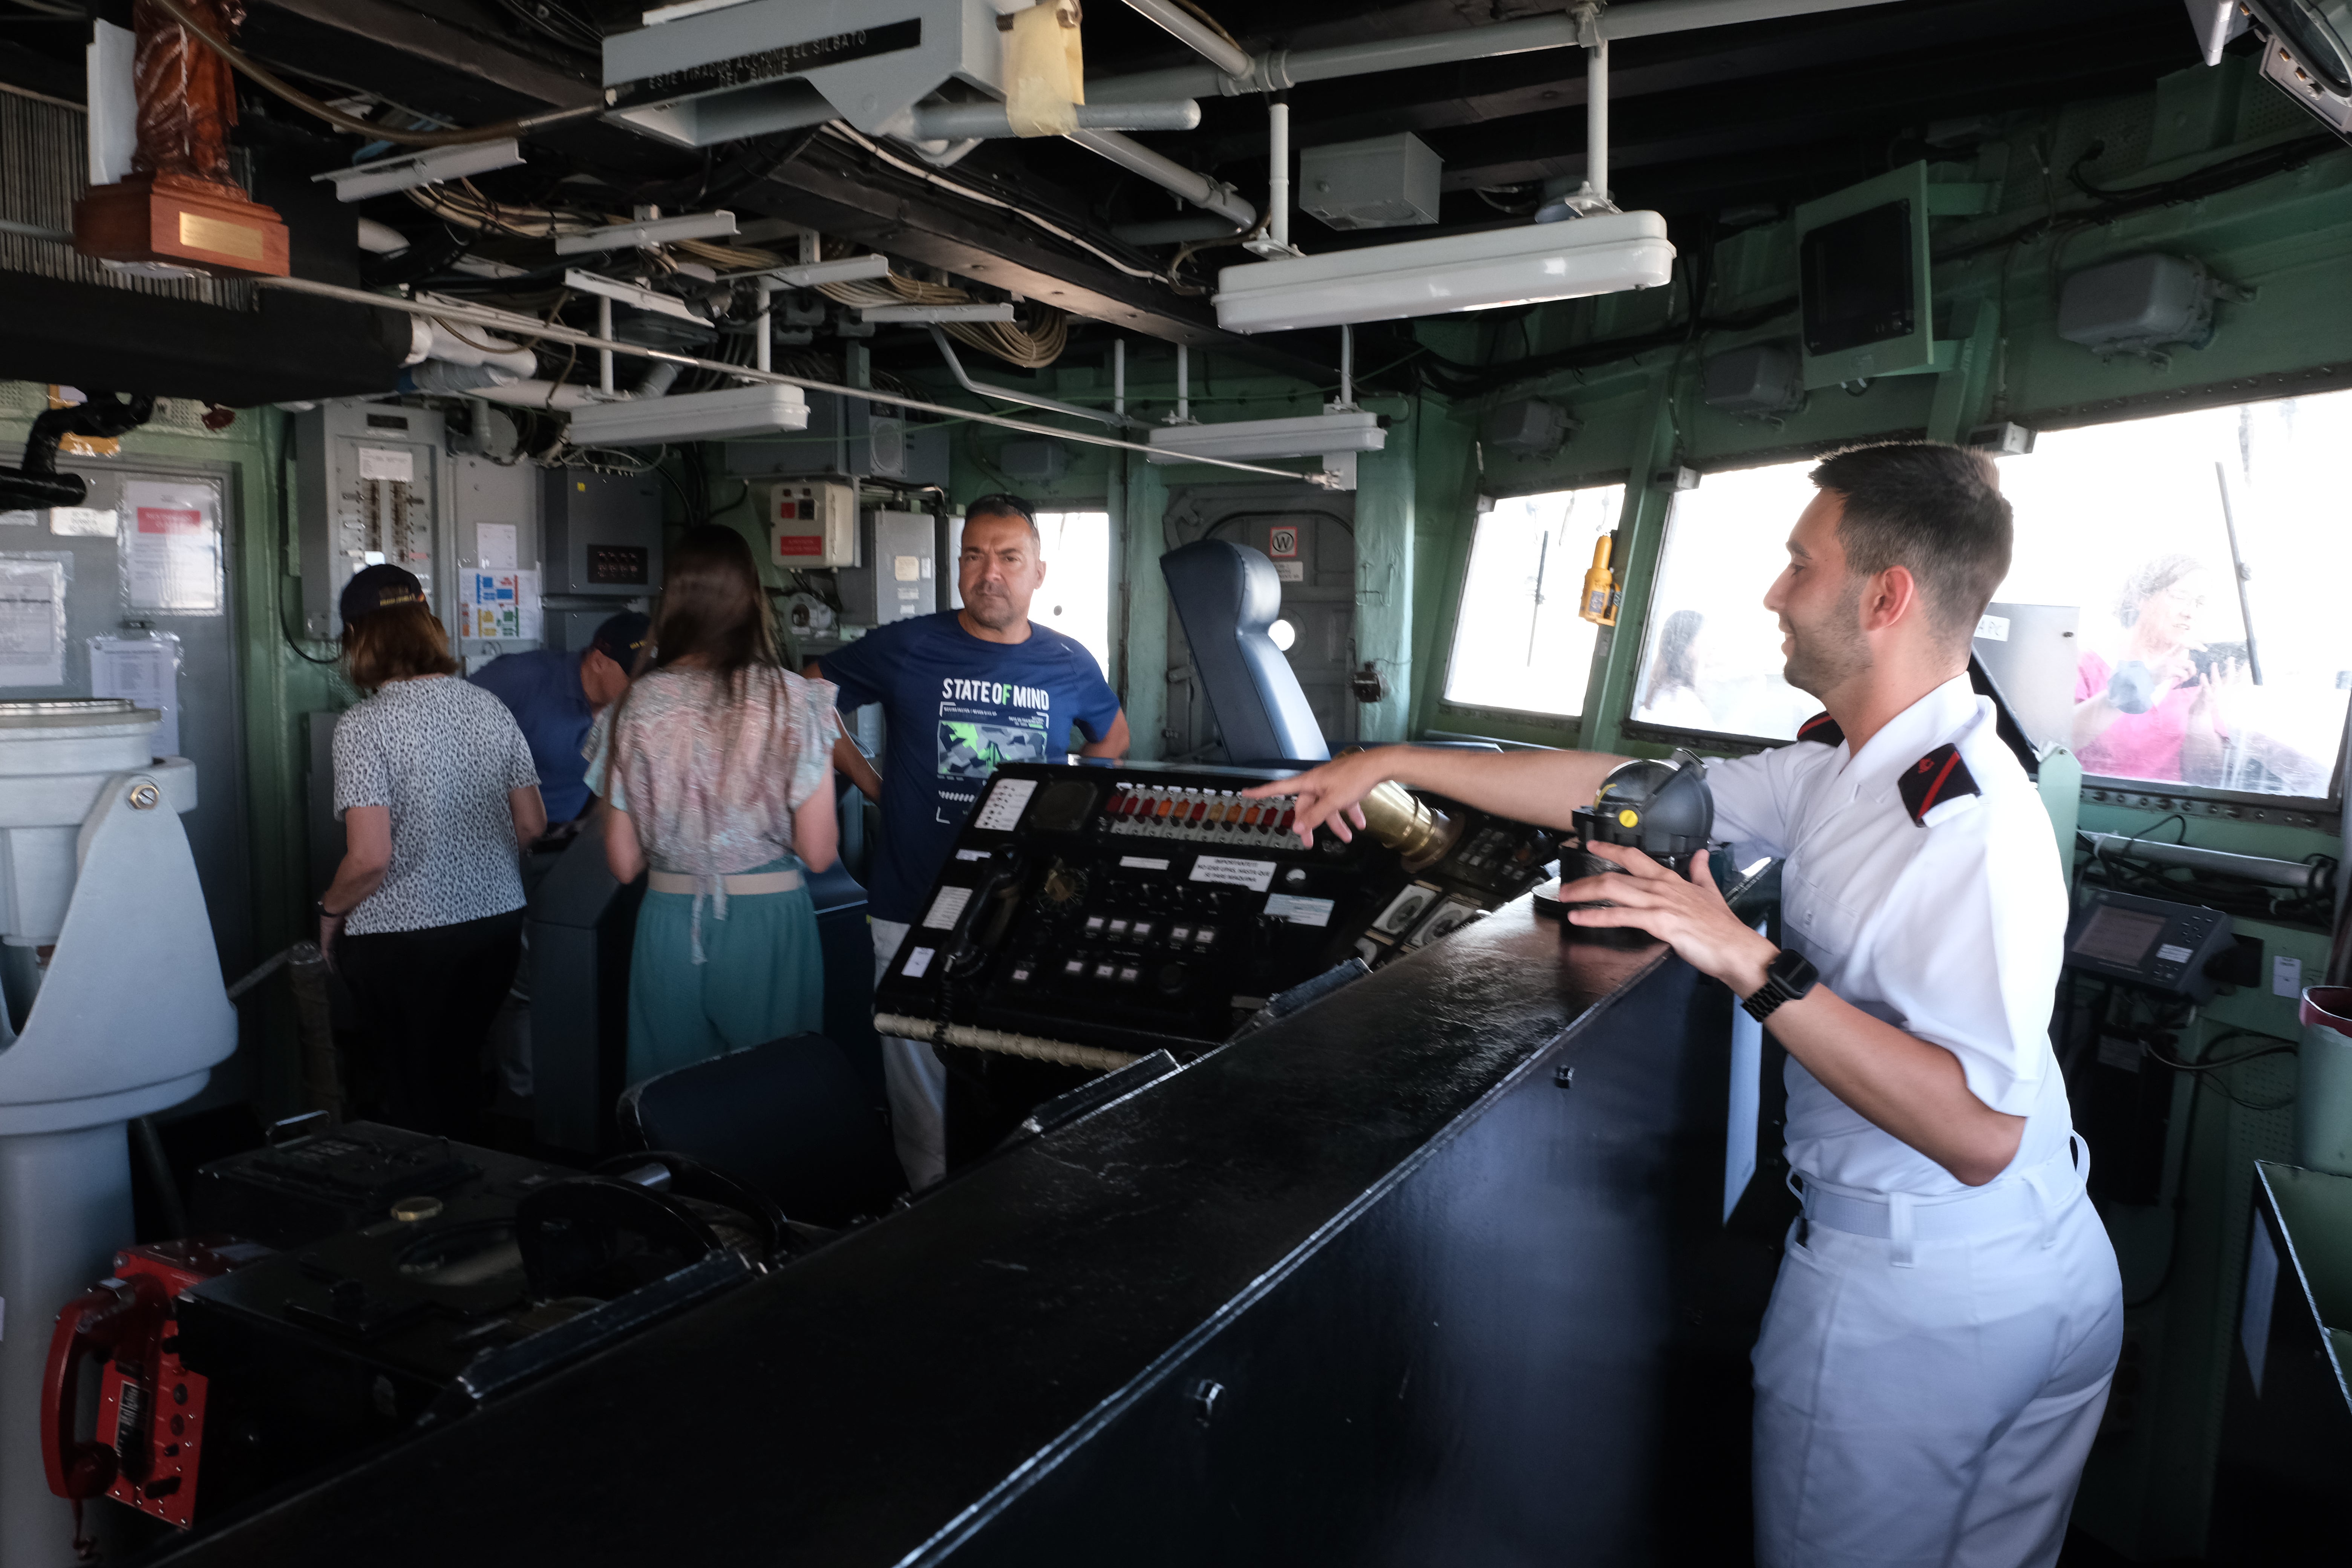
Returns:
<point x="762" y="977"/>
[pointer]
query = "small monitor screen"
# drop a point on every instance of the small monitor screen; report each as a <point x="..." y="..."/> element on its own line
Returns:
<point x="2118" y="936"/>
<point x="1859" y="283"/>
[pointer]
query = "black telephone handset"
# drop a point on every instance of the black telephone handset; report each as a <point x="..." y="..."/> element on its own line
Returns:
<point x="988" y="914"/>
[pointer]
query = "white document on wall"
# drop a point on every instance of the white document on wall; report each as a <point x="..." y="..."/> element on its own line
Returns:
<point x="32" y="622"/>
<point x="170" y="555"/>
<point x="146" y="671"/>
<point x="494" y="543"/>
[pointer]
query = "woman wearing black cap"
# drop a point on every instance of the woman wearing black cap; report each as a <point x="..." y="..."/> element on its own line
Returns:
<point x="436" y="788"/>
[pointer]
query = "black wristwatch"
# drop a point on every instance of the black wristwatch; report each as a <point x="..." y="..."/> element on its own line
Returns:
<point x="319" y="908"/>
<point x="1788" y="978"/>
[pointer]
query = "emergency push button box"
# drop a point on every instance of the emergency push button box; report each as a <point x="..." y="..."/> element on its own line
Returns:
<point x="811" y="524"/>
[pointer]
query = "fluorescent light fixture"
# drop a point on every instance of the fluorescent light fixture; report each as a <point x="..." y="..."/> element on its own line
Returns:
<point x="379" y="176"/>
<point x="921" y="313"/>
<point x="1306" y="435"/>
<point x="650" y="231"/>
<point x="622" y="293"/>
<point x="1525" y="266"/>
<point x="758" y="409"/>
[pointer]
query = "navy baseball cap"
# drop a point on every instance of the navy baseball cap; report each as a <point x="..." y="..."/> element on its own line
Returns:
<point x="373" y="588"/>
<point x="623" y="637"/>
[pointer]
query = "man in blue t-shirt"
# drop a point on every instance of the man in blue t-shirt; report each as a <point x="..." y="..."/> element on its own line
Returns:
<point x="960" y="691"/>
<point x="555" y="696"/>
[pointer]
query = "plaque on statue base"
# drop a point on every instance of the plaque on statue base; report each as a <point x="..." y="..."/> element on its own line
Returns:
<point x="184" y="222"/>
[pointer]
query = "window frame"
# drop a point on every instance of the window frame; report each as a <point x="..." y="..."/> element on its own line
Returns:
<point x="1573" y="724"/>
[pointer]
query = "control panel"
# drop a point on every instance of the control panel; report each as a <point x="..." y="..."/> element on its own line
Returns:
<point x="1134" y="908"/>
<point x="2150" y="942"/>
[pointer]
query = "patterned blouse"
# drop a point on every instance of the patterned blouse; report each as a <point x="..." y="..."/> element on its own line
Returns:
<point x="442" y="755"/>
<point x="712" y="778"/>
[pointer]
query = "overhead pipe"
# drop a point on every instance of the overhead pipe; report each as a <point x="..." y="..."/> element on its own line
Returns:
<point x="1174" y="230"/>
<point x="1116" y="420"/>
<point x="604" y="356"/>
<point x="1596" y="116"/>
<point x="1277" y="176"/>
<point x="1196" y="36"/>
<point x="958" y="122"/>
<point x="550" y="331"/>
<point x="1199" y="189"/>
<point x="2300" y="874"/>
<point x="1279" y="68"/>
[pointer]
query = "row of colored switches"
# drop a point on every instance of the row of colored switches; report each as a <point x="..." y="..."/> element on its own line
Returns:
<point x="1142" y="807"/>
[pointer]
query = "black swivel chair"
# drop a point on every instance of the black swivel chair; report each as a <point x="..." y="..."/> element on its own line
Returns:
<point x="790" y="1118"/>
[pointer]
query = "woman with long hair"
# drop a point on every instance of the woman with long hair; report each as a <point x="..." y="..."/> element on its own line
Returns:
<point x="716" y="769"/>
<point x="437" y="792"/>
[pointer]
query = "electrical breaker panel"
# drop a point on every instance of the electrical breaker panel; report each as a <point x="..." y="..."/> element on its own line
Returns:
<point x="900" y="577"/>
<point x="813" y="523"/>
<point x="369" y="485"/>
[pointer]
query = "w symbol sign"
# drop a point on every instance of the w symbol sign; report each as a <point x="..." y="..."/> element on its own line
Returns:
<point x="1281" y="542"/>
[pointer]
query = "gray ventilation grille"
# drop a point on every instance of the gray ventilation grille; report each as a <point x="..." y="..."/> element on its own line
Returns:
<point x="44" y="172"/>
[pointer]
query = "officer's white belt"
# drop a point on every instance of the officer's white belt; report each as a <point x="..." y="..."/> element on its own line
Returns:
<point x="2037" y="1196"/>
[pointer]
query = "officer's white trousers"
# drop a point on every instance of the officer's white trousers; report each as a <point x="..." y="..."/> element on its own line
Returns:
<point x="1937" y="1415"/>
<point x="914" y="1083"/>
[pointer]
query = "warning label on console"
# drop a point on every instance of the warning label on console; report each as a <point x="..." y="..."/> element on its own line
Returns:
<point x="1258" y="876"/>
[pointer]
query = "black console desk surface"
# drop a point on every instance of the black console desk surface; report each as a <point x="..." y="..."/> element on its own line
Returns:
<point x="1434" y="1271"/>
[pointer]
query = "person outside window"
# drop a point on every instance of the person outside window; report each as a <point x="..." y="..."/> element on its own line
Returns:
<point x="2178" y="704"/>
<point x="1674" y="699"/>
<point x="714" y="767"/>
<point x="960" y="691"/>
<point x="436" y="792"/>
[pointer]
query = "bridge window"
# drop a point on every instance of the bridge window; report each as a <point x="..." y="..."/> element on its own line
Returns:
<point x="1076" y="599"/>
<point x="1519" y="643"/>
<point x="2204" y="555"/>
<point x="1711" y="657"/>
<point x="2172" y="613"/>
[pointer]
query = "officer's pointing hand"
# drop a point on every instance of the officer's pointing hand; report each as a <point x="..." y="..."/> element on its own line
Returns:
<point x="1688" y="916"/>
<point x="1327" y="793"/>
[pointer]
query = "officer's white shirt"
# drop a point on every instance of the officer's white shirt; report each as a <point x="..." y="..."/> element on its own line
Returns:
<point x="1951" y="930"/>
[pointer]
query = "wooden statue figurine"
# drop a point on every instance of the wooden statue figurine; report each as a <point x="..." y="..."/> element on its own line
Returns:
<point x="180" y="204"/>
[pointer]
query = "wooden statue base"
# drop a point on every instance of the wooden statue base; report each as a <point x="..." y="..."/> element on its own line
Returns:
<point x="182" y="221"/>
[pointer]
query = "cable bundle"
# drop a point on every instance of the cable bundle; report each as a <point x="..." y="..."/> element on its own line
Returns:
<point x="1031" y="348"/>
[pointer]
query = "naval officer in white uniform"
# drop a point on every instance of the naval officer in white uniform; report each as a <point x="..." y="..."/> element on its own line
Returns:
<point x="1937" y="1356"/>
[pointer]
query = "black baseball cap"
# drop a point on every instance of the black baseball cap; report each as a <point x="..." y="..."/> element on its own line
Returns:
<point x="373" y="588"/>
<point x="623" y="637"/>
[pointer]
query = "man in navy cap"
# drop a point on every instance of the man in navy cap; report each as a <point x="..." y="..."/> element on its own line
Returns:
<point x="556" y="696"/>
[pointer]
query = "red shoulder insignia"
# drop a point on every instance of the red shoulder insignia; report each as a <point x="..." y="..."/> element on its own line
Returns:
<point x="1821" y="727"/>
<point x="1938" y="777"/>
